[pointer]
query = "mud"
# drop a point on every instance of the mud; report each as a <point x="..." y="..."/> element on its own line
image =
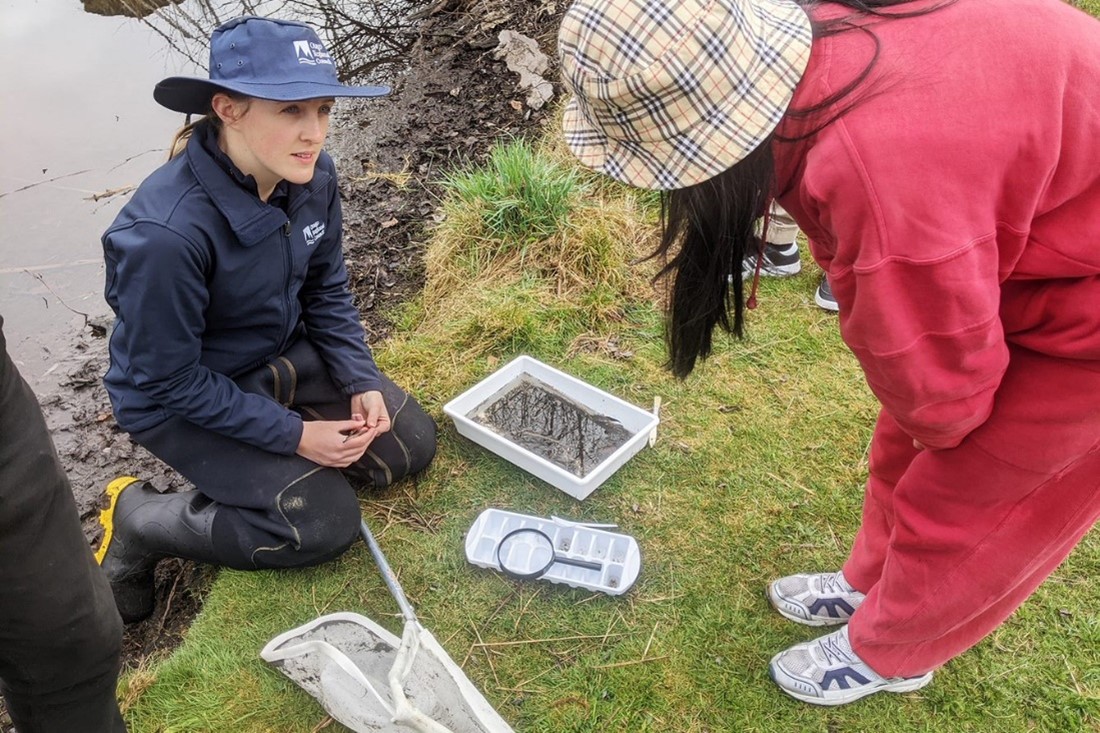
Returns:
<point x="448" y="107"/>
<point x="545" y="422"/>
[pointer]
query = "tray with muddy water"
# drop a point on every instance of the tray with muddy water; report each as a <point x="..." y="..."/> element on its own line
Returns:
<point x="555" y="426"/>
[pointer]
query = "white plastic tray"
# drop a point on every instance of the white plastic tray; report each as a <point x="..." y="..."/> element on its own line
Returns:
<point x="638" y="423"/>
<point x="618" y="553"/>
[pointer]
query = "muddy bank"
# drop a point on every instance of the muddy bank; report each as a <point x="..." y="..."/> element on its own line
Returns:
<point x="448" y="107"/>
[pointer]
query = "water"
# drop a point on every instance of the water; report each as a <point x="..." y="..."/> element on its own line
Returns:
<point x="536" y="417"/>
<point x="79" y="120"/>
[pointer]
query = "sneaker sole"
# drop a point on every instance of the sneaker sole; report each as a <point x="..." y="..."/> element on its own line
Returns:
<point x="791" y="612"/>
<point x="829" y="305"/>
<point x="107" y="516"/>
<point x="846" y="696"/>
<point x="774" y="270"/>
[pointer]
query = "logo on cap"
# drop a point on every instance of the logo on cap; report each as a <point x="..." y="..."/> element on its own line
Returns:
<point x="311" y="54"/>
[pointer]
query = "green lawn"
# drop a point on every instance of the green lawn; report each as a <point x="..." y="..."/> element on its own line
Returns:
<point x="757" y="472"/>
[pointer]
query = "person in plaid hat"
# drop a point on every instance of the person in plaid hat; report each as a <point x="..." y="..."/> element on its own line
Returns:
<point x="942" y="158"/>
<point x="237" y="354"/>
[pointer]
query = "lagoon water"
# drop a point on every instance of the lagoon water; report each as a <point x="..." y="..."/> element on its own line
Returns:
<point x="78" y="120"/>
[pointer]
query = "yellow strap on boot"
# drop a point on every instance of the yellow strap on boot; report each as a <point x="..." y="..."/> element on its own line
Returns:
<point x="107" y="516"/>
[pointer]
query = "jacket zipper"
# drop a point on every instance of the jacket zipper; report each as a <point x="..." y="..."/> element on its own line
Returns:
<point x="288" y="258"/>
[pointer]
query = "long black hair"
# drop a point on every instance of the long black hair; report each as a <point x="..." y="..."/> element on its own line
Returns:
<point x="714" y="222"/>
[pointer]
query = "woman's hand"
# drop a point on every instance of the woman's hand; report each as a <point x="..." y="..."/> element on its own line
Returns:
<point x="334" y="443"/>
<point x="340" y="443"/>
<point x="373" y="408"/>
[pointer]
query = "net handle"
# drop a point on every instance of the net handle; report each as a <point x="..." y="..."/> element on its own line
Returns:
<point x="387" y="574"/>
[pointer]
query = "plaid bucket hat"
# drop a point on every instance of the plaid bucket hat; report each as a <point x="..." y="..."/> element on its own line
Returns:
<point x="669" y="93"/>
<point x="280" y="60"/>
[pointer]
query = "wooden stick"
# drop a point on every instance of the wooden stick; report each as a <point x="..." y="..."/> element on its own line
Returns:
<point x="631" y="663"/>
<point x="488" y="654"/>
<point x="651" y="635"/>
<point x="545" y="641"/>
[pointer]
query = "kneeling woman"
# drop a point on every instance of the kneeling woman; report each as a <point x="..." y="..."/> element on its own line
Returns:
<point x="237" y="356"/>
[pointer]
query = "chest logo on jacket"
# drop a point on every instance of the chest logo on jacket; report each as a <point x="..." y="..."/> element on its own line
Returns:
<point x="314" y="232"/>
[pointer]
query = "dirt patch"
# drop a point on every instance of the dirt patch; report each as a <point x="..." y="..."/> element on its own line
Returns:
<point x="448" y="108"/>
<point x="454" y="101"/>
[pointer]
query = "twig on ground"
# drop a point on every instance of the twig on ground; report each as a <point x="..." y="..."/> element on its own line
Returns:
<point x="60" y="300"/>
<point x="488" y="654"/>
<point x="653" y="633"/>
<point x="660" y="599"/>
<point x="645" y="654"/>
<point x="529" y="680"/>
<point x="523" y="610"/>
<point x="790" y="484"/>
<point x="53" y="266"/>
<point x="503" y="602"/>
<point x="549" y="640"/>
<point x="428" y="11"/>
<point x="400" y="179"/>
<point x="168" y="603"/>
<point x="631" y="663"/>
<point x="323" y="724"/>
<point x="1073" y="678"/>
<point x="607" y="631"/>
<point x="43" y="183"/>
<point x="134" y="157"/>
<point x="110" y="192"/>
<point x="344" y="587"/>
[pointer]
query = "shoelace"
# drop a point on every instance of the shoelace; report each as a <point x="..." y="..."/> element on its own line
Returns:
<point x="834" y="584"/>
<point x="835" y="650"/>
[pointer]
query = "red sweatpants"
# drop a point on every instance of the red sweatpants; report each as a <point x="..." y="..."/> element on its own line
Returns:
<point x="953" y="541"/>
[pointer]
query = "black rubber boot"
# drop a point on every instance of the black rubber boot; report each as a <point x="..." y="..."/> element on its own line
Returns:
<point x="140" y="527"/>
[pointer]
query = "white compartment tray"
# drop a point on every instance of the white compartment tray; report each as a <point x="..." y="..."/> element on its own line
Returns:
<point x="618" y="554"/>
<point x="638" y="423"/>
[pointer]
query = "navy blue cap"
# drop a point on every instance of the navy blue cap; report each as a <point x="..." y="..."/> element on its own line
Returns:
<point x="280" y="60"/>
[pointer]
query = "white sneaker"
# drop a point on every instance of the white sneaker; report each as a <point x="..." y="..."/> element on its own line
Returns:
<point x="780" y="260"/>
<point x="820" y="599"/>
<point x="827" y="672"/>
<point x="824" y="296"/>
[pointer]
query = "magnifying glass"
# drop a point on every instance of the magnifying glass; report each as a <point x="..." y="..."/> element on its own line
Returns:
<point x="527" y="553"/>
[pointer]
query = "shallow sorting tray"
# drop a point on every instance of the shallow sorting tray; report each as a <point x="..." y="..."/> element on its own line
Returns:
<point x="637" y="423"/>
<point x="618" y="554"/>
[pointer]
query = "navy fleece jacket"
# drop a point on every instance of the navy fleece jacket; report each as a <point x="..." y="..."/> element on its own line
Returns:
<point x="207" y="282"/>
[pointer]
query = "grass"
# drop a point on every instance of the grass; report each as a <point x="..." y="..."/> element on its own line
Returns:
<point x="757" y="472"/>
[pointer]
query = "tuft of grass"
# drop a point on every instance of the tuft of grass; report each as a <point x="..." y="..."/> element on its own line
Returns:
<point x="514" y="199"/>
<point x="136" y="683"/>
<point x="529" y="210"/>
<point x="489" y="295"/>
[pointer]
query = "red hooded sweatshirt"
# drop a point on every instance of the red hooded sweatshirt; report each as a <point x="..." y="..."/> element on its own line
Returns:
<point x="956" y="207"/>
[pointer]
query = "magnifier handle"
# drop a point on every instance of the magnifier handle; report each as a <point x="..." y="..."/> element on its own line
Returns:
<point x="586" y="564"/>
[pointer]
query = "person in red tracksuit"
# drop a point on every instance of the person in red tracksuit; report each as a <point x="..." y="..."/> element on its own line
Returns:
<point x="942" y="157"/>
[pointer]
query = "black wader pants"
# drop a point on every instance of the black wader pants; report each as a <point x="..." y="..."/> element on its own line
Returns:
<point x="60" y="634"/>
<point x="277" y="511"/>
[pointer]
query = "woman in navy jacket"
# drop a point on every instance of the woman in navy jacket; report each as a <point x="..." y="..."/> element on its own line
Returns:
<point x="237" y="355"/>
